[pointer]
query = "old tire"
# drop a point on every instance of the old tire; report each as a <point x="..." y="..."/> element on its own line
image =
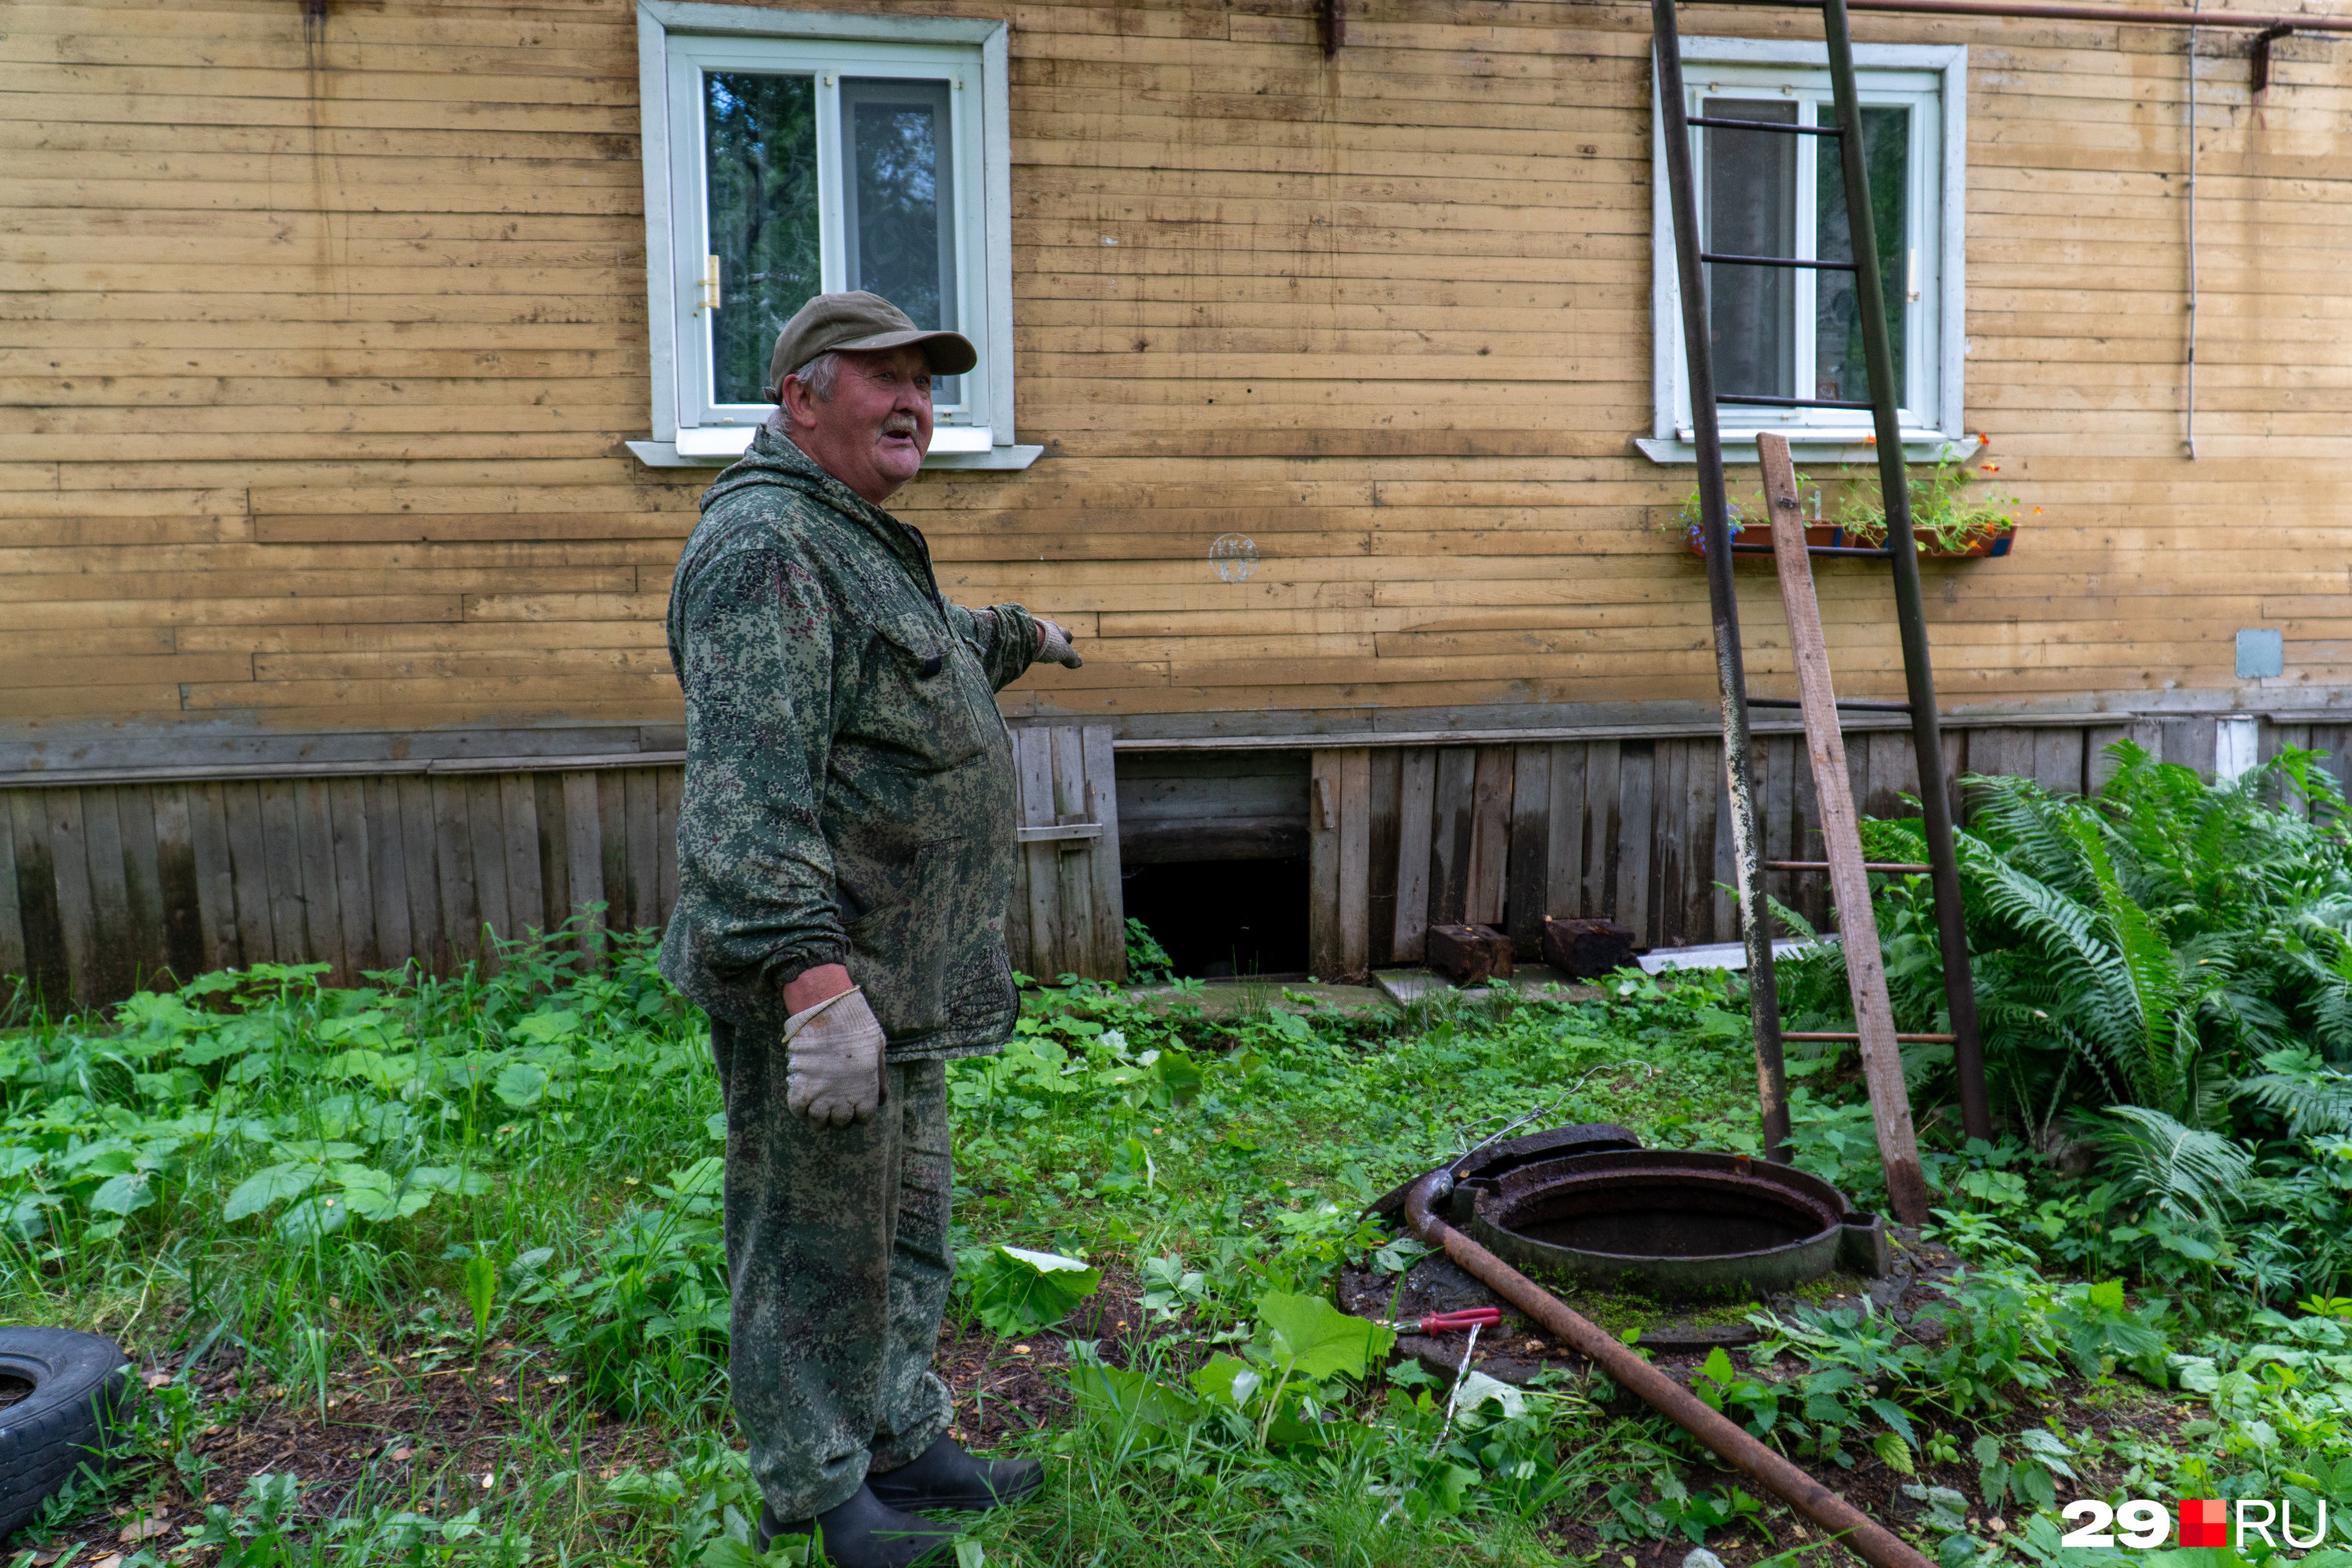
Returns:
<point x="82" y="1386"/>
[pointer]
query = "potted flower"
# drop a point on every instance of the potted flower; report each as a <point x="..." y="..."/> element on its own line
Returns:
<point x="1954" y="513"/>
<point x="1951" y="515"/>
<point x="1751" y="521"/>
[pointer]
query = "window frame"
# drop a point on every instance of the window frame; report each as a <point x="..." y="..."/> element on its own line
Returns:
<point x="1938" y="365"/>
<point x="673" y="38"/>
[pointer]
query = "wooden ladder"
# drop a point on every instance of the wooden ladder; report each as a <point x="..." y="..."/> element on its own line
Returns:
<point x="1890" y="1105"/>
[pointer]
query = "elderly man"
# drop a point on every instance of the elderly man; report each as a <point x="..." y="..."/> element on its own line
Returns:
<point x="844" y="854"/>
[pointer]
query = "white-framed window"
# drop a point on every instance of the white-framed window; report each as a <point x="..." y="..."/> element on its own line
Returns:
<point x="792" y="153"/>
<point x="1796" y="332"/>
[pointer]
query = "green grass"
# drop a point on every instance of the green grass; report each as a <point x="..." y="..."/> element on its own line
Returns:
<point x="430" y="1271"/>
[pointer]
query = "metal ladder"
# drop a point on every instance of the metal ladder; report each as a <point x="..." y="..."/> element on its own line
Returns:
<point x="1900" y="552"/>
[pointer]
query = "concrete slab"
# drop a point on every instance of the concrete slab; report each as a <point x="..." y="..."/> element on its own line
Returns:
<point x="1715" y="955"/>
<point x="1408" y="986"/>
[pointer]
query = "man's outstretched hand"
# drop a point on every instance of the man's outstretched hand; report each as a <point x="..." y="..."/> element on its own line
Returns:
<point x="1053" y="646"/>
<point x="833" y="1072"/>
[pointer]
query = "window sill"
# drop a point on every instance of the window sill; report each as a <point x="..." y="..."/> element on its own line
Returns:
<point x="665" y="454"/>
<point x="1813" y="446"/>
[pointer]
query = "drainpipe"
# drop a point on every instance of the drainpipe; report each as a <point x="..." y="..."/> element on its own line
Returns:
<point x="1840" y="1520"/>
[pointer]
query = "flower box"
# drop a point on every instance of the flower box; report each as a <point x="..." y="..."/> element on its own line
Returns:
<point x="1982" y="547"/>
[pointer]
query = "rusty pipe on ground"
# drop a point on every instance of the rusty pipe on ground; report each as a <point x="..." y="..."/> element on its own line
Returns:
<point x="1852" y="1529"/>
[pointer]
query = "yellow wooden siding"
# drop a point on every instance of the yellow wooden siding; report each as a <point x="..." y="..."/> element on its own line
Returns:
<point x="320" y="339"/>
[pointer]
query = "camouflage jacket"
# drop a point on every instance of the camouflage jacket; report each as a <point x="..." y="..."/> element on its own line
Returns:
<point x="849" y="782"/>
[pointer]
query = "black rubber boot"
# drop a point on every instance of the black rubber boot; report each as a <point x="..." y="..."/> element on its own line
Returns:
<point x="866" y="1532"/>
<point x="944" y="1476"/>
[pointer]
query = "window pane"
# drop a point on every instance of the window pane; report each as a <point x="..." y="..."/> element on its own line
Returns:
<point x="1837" y="328"/>
<point x="898" y="198"/>
<point x="761" y="134"/>
<point x="1751" y="209"/>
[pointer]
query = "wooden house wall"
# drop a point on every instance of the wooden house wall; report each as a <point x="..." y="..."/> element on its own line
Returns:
<point x="322" y="332"/>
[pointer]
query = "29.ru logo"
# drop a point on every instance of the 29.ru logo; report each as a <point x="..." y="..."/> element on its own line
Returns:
<point x="2204" y="1521"/>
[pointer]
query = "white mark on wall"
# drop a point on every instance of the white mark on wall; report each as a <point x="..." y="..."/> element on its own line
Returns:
<point x="1234" y="556"/>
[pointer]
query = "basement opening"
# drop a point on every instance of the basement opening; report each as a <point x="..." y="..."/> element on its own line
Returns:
<point x="1213" y="847"/>
<point x="1225" y="919"/>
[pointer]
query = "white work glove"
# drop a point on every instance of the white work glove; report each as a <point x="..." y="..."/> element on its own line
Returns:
<point x="833" y="1071"/>
<point x="1053" y="646"/>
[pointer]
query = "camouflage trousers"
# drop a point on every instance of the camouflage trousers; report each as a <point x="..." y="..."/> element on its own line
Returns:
<point x="837" y="1253"/>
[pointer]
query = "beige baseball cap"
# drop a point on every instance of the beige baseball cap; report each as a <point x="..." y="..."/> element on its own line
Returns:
<point x="854" y="321"/>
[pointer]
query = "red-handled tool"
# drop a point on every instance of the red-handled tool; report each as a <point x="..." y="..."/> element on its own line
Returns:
<point x="1453" y="1323"/>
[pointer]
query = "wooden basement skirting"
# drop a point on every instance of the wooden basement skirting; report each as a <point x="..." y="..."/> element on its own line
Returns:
<point x="114" y="883"/>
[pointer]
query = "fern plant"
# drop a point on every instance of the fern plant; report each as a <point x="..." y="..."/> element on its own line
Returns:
<point x="2147" y="945"/>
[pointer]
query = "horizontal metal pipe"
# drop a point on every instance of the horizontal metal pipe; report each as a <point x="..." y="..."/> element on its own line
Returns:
<point x="1918" y="866"/>
<point x="1849" y="1034"/>
<point x="2127" y="16"/>
<point x="1794" y="261"/>
<point x="1852" y="1529"/>
<point x="1718" y="123"/>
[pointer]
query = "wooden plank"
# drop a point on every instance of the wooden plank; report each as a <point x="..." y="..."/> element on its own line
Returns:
<point x="116" y="958"/>
<point x="1490" y="833"/>
<point x="69" y="863"/>
<point x="453" y="866"/>
<point x="555" y="863"/>
<point x="2058" y="760"/>
<point x="1603" y="806"/>
<point x="1563" y="890"/>
<point x="135" y="807"/>
<point x="281" y="867"/>
<point x="669" y="788"/>
<point x="248" y="872"/>
<point x="1722" y="923"/>
<point x="645" y="850"/>
<point x="387" y="874"/>
<point x="1894" y="772"/>
<point x="1326" y="949"/>
<point x="519" y="820"/>
<point x="2098" y="766"/>
<point x="1033" y="757"/>
<point x="1102" y="806"/>
<point x="1671" y="848"/>
<point x="321" y="898"/>
<point x="1355" y="779"/>
<point x="215" y="876"/>
<point x="2190" y="742"/>
<point x="347" y="824"/>
<point x="1449" y="862"/>
<point x="420" y="849"/>
<point x="612" y="840"/>
<point x="1388" y="780"/>
<point x="486" y="827"/>
<point x="583" y="858"/>
<point x="1416" y="817"/>
<point x="47" y="964"/>
<point x="1072" y="868"/>
<point x="178" y="888"/>
<point x="1881" y="1057"/>
<point x="14" y="970"/>
<point x="1817" y="904"/>
<point x="1701" y="777"/>
<point x="1530" y="848"/>
<point x="1636" y="905"/>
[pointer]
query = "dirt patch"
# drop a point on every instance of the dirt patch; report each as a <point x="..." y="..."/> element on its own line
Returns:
<point x="445" y="1431"/>
<point x="1004" y="1388"/>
